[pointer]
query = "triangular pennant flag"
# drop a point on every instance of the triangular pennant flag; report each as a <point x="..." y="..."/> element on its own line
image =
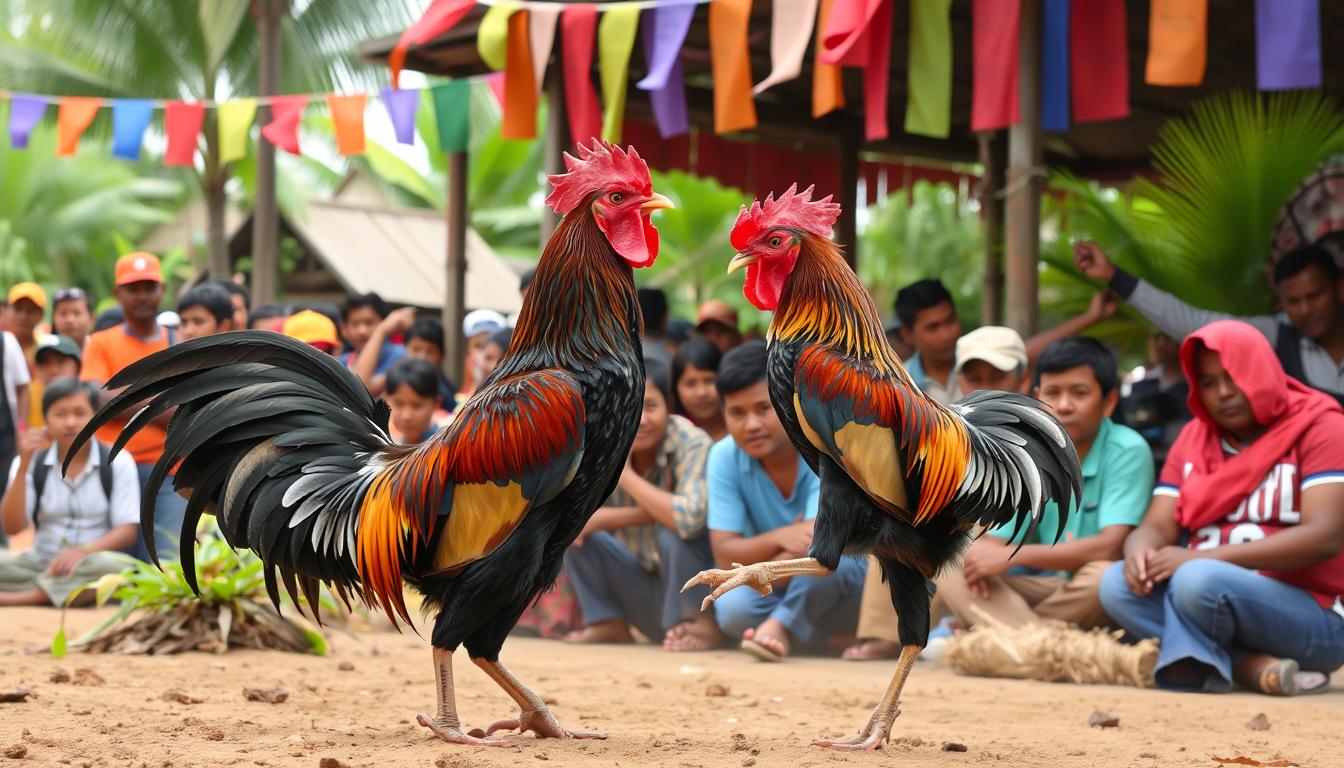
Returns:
<point x="615" y="40"/>
<point x="928" y="104"/>
<point x="235" y="119"/>
<point x="25" y="112"/>
<point x="130" y="118"/>
<point x="283" y="130"/>
<point x="730" y="62"/>
<point x="668" y="98"/>
<point x="451" y="112"/>
<point x="1178" y="42"/>
<point x="791" y="23"/>
<point x="520" y="89"/>
<point x="994" y="43"/>
<point x="1099" y="57"/>
<point x="401" y="106"/>
<point x="492" y="36"/>
<point x="541" y="36"/>
<point x="182" y="122"/>
<point x="578" y="25"/>
<point x="828" y="87"/>
<point x="75" y="115"/>
<point x="1287" y="44"/>
<point x="1055" y="66"/>
<point x="347" y="117"/>
<point x="441" y="16"/>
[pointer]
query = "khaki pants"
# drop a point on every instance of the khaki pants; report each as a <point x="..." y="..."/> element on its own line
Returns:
<point x="25" y="571"/>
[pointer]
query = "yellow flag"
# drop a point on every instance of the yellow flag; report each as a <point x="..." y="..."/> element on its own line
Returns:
<point x="235" y="119"/>
<point x="615" y="41"/>
<point x="492" y="36"/>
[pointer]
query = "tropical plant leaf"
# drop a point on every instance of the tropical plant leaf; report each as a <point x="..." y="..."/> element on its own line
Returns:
<point x="220" y="20"/>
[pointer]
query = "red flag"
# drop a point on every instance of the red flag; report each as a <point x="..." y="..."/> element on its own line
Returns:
<point x="283" y="130"/>
<point x="994" y="102"/>
<point x="858" y="34"/>
<point x="579" y="30"/>
<point x="1099" y="70"/>
<point x="182" y="122"/>
<point x="347" y="118"/>
<point x="440" y="17"/>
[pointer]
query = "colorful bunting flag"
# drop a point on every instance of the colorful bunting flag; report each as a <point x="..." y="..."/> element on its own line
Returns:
<point x="1287" y="44"/>
<point x="828" y="87"/>
<point x="541" y="35"/>
<point x="283" y="130"/>
<point x="495" y="82"/>
<point x="578" y="25"/>
<point x="928" y="104"/>
<point x="492" y="36"/>
<point x="615" y="41"/>
<point x="130" y="118"/>
<point x="234" y="121"/>
<point x="347" y="118"/>
<point x="25" y="112"/>
<point x="401" y="106"/>
<point x="75" y="115"/>
<point x="452" y="103"/>
<point x="1055" y="66"/>
<point x="1178" y="42"/>
<point x="440" y="17"/>
<point x="520" y="87"/>
<point x="858" y="34"/>
<point x="664" y="30"/>
<point x="994" y="37"/>
<point x="730" y="62"/>
<point x="1099" y="56"/>
<point x="791" y="23"/>
<point x="182" y="122"/>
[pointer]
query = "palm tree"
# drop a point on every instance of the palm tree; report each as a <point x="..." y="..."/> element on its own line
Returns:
<point x="205" y="50"/>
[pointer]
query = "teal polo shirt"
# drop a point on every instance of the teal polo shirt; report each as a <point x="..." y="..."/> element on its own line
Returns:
<point x="1117" y="486"/>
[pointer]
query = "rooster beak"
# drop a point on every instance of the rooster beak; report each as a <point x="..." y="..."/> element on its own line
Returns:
<point x="741" y="260"/>
<point x="655" y="203"/>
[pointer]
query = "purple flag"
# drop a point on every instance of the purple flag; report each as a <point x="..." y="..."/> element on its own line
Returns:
<point x="1287" y="44"/>
<point x="663" y="32"/>
<point x="25" y="111"/>
<point x="401" y="106"/>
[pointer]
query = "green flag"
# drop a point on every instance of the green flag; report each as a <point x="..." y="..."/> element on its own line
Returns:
<point x="451" y="112"/>
<point x="928" y="108"/>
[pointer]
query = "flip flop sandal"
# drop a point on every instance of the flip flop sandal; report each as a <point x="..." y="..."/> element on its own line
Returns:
<point x="1311" y="683"/>
<point x="1279" y="679"/>
<point x="761" y="652"/>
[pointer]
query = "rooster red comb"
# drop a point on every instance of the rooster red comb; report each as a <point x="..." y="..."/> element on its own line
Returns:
<point x="791" y="211"/>
<point x="598" y="166"/>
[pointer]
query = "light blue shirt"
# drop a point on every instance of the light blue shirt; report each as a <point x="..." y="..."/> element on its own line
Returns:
<point x="743" y="499"/>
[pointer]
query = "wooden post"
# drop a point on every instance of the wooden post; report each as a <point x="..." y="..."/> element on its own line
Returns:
<point x="992" y="159"/>
<point x="265" y="208"/>
<point x="1024" y="182"/>
<point x="454" y="300"/>
<point x="557" y="141"/>
<point x="846" y="228"/>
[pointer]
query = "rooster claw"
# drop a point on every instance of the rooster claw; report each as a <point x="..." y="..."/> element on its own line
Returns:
<point x="454" y="734"/>
<point x="542" y="723"/>
<point x="757" y="576"/>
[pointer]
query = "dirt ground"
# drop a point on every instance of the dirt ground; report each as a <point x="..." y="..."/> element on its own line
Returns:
<point x="357" y="706"/>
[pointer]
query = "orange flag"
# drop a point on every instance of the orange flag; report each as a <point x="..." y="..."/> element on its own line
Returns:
<point x="520" y="83"/>
<point x="1178" y="42"/>
<point x="731" y="64"/>
<point x="347" y="116"/>
<point x="75" y="115"/>
<point x="828" y="86"/>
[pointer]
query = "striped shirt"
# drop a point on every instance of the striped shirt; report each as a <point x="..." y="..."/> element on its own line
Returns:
<point x="679" y="468"/>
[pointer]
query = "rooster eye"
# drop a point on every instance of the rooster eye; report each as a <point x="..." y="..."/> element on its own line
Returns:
<point x="616" y="198"/>
<point x="775" y="242"/>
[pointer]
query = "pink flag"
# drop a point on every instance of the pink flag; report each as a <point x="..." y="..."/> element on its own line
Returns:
<point x="579" y="31"/>
<point x="283" y="130"/>
<point x="440" y="17"/>
<point x="182" y="122"/>
<point x="791" y="24"/>
<point x="858" y="34"/>
<point x="541" y="31"/>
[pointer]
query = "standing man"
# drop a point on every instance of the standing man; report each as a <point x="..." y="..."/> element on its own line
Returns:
<point x="139" y="290"/>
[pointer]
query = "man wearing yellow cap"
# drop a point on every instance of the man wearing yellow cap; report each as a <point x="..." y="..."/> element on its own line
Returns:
<point x="27" y="305"/>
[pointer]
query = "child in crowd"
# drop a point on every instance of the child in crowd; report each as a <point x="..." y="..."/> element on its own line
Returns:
<point x="57" y="357"/>
<point x="362" y="315"/>
<point x="72" y="314"/>
<point x="694" y="368"/>
<point x="314" y="329"/>
<point x="413" y="395"/>
<point x="204" y="311"/>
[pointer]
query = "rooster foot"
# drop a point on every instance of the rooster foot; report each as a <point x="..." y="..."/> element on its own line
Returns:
<point x="876" y="733"/>
<point x="542" y="723"/>
<point x="757" y="576"/>
<point x="454" y="735"/>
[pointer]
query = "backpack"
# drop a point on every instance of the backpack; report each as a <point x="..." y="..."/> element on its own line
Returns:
<point x="40" y="471"/>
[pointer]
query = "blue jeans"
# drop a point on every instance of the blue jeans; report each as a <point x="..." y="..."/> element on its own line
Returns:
<point x="610" y="583"/>
<point x="169" y="511"/>
<point x="812" y="608"/>
<point x="1213" y="613"/>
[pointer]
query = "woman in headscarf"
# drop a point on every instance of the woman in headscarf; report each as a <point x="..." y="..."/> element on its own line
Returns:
<point x="1238" y="566"/>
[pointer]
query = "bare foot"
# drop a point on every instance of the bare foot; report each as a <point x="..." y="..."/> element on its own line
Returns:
<point x="872" y="649"/>
<point x="768" y="642"/>
<point x="453" y="734"/>
<point x="542" y="723"/>
<point x="702" y="634"/>
<point x="614" y="632"/>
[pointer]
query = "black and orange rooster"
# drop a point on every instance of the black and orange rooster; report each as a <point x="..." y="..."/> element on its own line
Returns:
<point x="902" y="477"/>
<point x="292" y="455"/>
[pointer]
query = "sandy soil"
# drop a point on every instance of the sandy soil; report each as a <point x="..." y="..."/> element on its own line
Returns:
<point x="357" y="706"/>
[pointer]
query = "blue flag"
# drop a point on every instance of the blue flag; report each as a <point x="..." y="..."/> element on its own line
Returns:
<point x="130" y="118"/>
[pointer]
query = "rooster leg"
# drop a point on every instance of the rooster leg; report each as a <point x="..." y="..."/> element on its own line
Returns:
<point x="445" y="724"/>
<point x="534" y="715"/>
<point x="878" y="729"/>
<point x="757" y="576"/>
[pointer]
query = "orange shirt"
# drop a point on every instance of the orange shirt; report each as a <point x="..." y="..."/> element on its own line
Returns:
<point x="105" y="354"/>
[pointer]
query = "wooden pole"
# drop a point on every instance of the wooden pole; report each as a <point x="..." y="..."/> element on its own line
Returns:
<point x="846" y="228"/>
<point x="992" y="160"/>
<point x="454" y="300"/>
<point x="265" y="209"/>
<point x="557" y="141"/>
<point x="1024" y="182"/>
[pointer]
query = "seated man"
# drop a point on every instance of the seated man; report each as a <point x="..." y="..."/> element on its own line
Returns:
<point x="79" y="518"/>
<point x="632" y="558"/>
<point x="1077" y="378"/>
<point x="204" y="311"/>
<point x="413" y="395"/>
<point x="762" y="500"/>
<point x="1255" y="484"/>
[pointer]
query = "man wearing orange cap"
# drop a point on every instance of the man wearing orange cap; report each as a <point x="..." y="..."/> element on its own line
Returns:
<point x="27" y="305"/>
<point x="717" y="322"/>
<point x="139" y="291"/>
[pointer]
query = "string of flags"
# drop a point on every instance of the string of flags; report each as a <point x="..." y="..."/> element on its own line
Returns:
<point x="1084" y="62"/>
